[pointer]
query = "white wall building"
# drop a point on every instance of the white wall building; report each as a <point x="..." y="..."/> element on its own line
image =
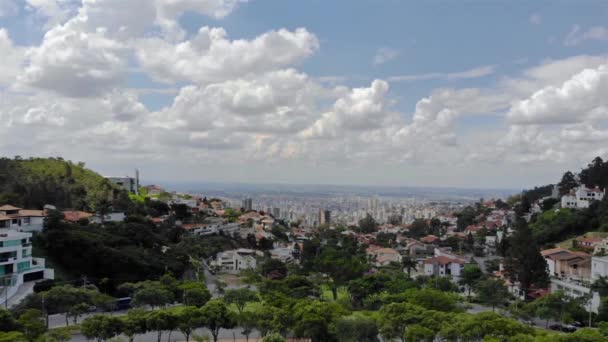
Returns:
<point x="443" y="266"/>
<point x="22" y="220"/>
<point x="599" y="267"/>
<point x="235" y="260"/>
<point x="577" y="289"/>
<point x="582" y="197"/>
<point x="131" y="184"/>
<point x="17" y="266"/>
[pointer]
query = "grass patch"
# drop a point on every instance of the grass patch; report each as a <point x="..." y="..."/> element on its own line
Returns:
<point x="568" y="243"/>
<point x="326" y="293"/>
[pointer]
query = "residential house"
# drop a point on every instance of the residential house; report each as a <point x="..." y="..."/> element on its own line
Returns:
<point x="571" y="272"/>
<point x="581" y="197"/>
<point x="235" y="260"/>
<point x="24" y="220"/>
<point x="430" y="239"/>
<point x="587" y="243"/>
<point x="418" y="250"/>
<point x="382" y="256"/>
<point x="443" y="266"/>
<point x="565" y="264"/>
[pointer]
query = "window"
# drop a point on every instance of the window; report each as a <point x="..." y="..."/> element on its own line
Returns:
<point x="22" y="266"/>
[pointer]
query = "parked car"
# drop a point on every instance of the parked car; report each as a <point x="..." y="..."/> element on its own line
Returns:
<point x="564" y="328"/>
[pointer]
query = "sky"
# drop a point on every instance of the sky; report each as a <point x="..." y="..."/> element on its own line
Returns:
<point x="480" y="94"/>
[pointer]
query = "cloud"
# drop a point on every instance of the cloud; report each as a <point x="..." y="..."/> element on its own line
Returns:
<point x="211" y="57"/>
<point x="580" y="98"/>
<point x="11" y="58"/>
<point x="384" y="55"/>
<point x="477" y="72"/>
<point x="360" y="109"/>
<point x="53" y="12"/>
<point x="75" y="63"/>
<point x="8" y="8"/>
<point x="169" y="12"/>
<point x="535" y="19"/>
<point x="577" y="36"/>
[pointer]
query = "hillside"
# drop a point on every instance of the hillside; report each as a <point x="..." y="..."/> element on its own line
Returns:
<point x="34" y="182"/>
<point x="552" y="226"/>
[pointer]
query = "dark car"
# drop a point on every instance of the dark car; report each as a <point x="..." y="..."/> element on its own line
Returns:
<point x="122" y="304"/>
<point x="564" y="328"/>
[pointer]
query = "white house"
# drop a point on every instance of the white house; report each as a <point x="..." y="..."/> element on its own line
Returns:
<point x="443" y="266"/>
<point x="23" y="220"/>
<point x="582" y="197"/>
<point x="577" y="289"/>
<point x="599" y="267"/>
<point x="17" y="266"/>
<point x="235" y="260"/>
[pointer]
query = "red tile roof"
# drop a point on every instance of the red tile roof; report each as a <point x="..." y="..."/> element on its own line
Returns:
<point x="443" y="260"/>
<point x="75" y="216"/>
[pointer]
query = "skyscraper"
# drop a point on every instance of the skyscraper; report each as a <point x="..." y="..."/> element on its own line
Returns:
<point x="247" y="204"/>
<point x="324" y="216"/>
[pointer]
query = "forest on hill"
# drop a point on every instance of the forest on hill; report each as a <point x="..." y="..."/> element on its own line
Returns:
<point x="32" y="183"/>
<point x="551" y="226"/>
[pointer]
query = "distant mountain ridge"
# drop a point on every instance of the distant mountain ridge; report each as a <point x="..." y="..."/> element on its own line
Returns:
<point x="34" y="182"/>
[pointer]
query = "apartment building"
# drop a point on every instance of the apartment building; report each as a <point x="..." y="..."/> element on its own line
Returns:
<point x="17" y="266"/>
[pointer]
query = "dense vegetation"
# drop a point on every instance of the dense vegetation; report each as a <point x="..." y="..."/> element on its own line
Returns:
<point x="32" y="183"/>
<point x="133" y="250"/>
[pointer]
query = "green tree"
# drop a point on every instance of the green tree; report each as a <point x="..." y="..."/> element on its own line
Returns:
<point x="154" y="296"/>
<point x="247" y="321"/>
<point x="189" y="318"/>
<point x="62" y="334"/>
<point x="240" y="297"/>
<point x="159" y="321"/>
<point x="395" y="318"/>
<point x="134" y="323"/>
<point x="32" y="324"/>
<point x="567" y="183"/>
<point x="340" y="267"/>
<point x="524" y="263"/>
<point x="194" y="293"/>
<point x="101" y="327"/>
<point x="78" y="310"/>
<point x="492" y="291"/>
<point x="483" y="326"/>
<point x="418" y="228"/>
<point x="7" y="321"/>
<point x="274" y="269"/>
<point x="216" y="316"/>
<point x="12" y="336"/>
<point x="409" y="264"/>
<point x="368" y="225"/>
<point x="274" y="338"/>
<point x="558" y="306"/>
<point x="313" y="319"/>
<point x="471" y="274"/>
<point x="355" y="328"/>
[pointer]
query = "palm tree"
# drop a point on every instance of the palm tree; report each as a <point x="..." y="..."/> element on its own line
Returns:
<point x="409" y="263"/>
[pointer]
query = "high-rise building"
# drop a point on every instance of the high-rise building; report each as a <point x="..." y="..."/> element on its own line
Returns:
<point x="247" y="204"/>
<point x="276" y="212"/>
<point x="18" y="266"/>
<point x="324" y="216"/>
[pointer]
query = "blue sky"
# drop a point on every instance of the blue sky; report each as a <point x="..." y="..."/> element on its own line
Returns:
<point x="480" y="88"/>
